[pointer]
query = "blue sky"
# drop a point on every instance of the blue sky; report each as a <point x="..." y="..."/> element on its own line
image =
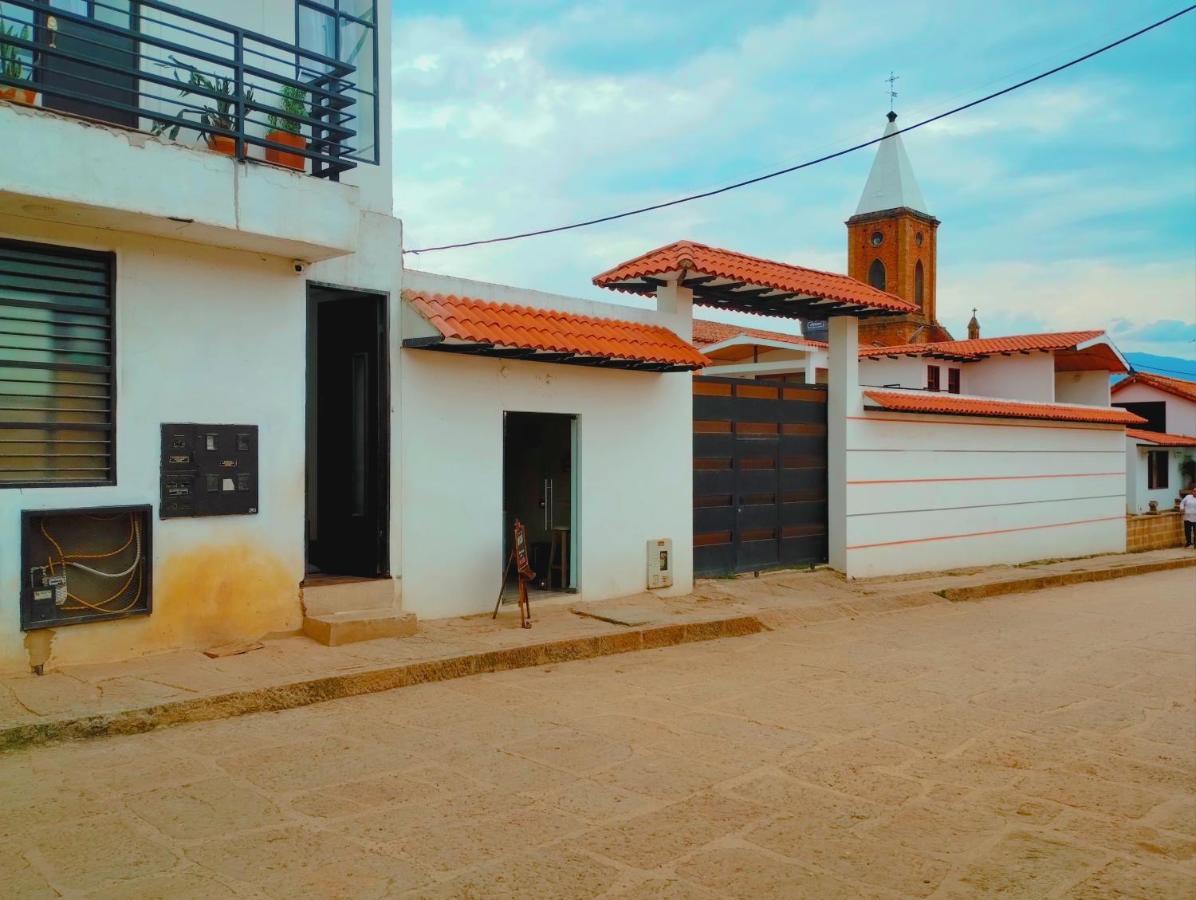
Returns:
<point x="1069" y="204"/>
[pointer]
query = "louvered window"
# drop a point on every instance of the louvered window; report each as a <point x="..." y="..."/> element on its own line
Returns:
<point x="56" y="366"/>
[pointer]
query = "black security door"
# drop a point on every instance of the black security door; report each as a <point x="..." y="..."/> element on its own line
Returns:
<point x="349" y="453"/>
<point x="759" y="475"/>
<point x="84" y="67"/>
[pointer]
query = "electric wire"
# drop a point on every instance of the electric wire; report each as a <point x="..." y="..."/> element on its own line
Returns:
<point x="812" y="162"/>
<point x="135" y="570"/>
<point x="1135" y="367"/>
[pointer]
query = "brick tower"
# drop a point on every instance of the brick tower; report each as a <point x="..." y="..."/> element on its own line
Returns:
<point x="891" y="245"/>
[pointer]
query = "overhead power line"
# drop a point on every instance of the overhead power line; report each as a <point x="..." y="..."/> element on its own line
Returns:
<point x="812" y="162"/>
<point x="1148" y="369"/>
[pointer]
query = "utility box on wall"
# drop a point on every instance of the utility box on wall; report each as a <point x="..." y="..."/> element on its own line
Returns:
<point x="85" y="565"/>
<point x="660" y="563"/>
<point x="209" y="470"/>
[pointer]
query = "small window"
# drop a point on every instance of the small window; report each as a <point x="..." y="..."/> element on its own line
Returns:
<point x="932" y="379"/>
<point x="1156" y="469"/>
<point x="953" y="381"/>
<point x="876" y="275"/>
<point x="56" y="366"/>
<point x="919" y="280"/>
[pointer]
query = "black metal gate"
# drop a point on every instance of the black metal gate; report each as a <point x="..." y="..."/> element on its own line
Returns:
<point x="759" y="475"/>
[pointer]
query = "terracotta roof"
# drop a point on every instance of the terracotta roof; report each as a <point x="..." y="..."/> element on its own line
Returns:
<point x="982" y="347"/>
<point x="707" y="332"/>
<point x="729" y="280"/>
<point x="957" y="405"/>
<point x="469" y="325"/>
<point x="1176" y="386"/>
<point x="1163" y="440"/>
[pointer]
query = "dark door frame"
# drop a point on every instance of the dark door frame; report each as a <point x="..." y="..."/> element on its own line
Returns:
<point x="382" y="447"/>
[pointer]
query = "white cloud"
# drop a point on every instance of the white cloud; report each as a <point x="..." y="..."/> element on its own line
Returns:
<point x="1077" y="294"/>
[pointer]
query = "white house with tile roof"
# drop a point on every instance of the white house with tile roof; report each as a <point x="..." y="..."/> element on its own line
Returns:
<point x="1160" y="460"/>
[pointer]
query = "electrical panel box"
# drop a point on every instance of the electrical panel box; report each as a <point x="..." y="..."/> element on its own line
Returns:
<point x="209" y="470"/>
<point x="85" y="565"/>
<point x="660" y="563"/>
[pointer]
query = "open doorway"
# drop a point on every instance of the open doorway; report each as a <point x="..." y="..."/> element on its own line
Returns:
<point x="540" y="489"/>
<point x="347" y="434"/>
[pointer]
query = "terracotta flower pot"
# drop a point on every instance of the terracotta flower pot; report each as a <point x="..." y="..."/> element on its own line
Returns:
<point x="219" y="143"/>
<point x="18" y="95"/>
<point x="281" y="157"/>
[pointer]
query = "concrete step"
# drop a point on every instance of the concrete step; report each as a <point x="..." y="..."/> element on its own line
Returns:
<point x="350" y="626"/>
<point x="327" y="594"/>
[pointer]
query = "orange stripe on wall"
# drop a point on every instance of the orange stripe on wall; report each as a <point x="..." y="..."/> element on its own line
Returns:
<point x="952" y="537"/>
<point x="988" y="478"/>
<point x="1113" y="427"/>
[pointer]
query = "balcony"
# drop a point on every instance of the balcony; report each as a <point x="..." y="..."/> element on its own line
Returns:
<point x="151" y="118"/>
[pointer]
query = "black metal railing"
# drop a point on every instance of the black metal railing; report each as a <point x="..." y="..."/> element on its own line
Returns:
<point x="157" y="67"/>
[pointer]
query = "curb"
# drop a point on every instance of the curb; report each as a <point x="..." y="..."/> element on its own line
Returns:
<point x="317" y="690"/>
<point x="1040" y="582"/>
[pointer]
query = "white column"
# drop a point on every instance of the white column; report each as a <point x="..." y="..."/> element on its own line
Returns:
<point x="843" y="400"/>
<point x="811" y="368"/>
<point x="675" y="308"/>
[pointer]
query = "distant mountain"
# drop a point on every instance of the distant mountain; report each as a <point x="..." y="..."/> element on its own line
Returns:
<point x="1174" y="366"/>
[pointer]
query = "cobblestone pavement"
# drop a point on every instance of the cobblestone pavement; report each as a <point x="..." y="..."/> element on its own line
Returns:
<point x="1038" y="745"/>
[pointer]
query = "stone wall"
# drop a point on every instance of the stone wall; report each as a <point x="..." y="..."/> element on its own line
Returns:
<point x="1155" y="532"/>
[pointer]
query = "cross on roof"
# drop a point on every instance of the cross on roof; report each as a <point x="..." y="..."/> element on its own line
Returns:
<point x="892" y="80"/>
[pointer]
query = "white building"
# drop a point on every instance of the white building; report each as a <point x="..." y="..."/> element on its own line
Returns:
<point x="215" y="391"/>
<point x="1160" y="455"/>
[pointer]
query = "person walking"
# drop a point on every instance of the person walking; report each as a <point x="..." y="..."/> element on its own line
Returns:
<point x="1188" y="507"/>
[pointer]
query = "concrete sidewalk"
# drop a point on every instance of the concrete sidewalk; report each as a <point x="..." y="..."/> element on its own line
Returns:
<point x="165" y="689"/>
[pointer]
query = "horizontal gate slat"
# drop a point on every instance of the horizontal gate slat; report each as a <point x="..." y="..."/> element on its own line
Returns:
<point x="759" y="475"/>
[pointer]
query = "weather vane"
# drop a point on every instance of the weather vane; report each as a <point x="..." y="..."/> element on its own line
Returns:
<point x="892" y="80"/>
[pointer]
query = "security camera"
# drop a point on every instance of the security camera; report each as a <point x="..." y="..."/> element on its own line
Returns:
<point x="300" y="266"/>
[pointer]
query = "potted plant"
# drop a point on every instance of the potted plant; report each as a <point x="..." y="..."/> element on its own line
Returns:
<point x="210" y="117"/>
<point x="13" y="66"/>
<point x="286" y="128"/>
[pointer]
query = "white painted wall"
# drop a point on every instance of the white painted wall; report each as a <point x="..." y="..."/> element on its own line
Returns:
<point x="203" y="335"/>
<point x="909" y="372"/>
<point x="1016" y="377"/>
<point x="935" y="492"/>
<point x="1088" y="388"/>
<point x="634" y="462"/>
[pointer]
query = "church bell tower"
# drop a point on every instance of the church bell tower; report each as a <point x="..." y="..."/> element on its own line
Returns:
<point x="892" y="245"/>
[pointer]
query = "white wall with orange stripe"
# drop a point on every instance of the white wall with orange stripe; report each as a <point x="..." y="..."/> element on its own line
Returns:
<point x="936" y="492"/>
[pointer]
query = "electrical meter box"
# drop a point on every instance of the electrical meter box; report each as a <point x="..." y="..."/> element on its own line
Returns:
<point x="209" y="470"/>
<point x="85" y="565"/>
<point x="660" y="563"/>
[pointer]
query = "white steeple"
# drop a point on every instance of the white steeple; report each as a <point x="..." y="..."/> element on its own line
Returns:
<point x="891" y="182"/>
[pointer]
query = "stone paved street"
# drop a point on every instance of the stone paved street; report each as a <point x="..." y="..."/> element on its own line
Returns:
<point x="1035" y="745"/>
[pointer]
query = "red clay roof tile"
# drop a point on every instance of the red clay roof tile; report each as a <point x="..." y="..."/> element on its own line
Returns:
<point x="1015" y="343"/>
<point x="956" y="405"/>
<point x="1176" y="386"/>
<point x="707" y="332"/>
<point x="698" y="260"/>
<point x="508" y="325"/>
<point x="1163" y="440"/>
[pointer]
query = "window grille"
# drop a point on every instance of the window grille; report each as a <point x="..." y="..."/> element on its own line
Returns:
<point x="57" y="382"/>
